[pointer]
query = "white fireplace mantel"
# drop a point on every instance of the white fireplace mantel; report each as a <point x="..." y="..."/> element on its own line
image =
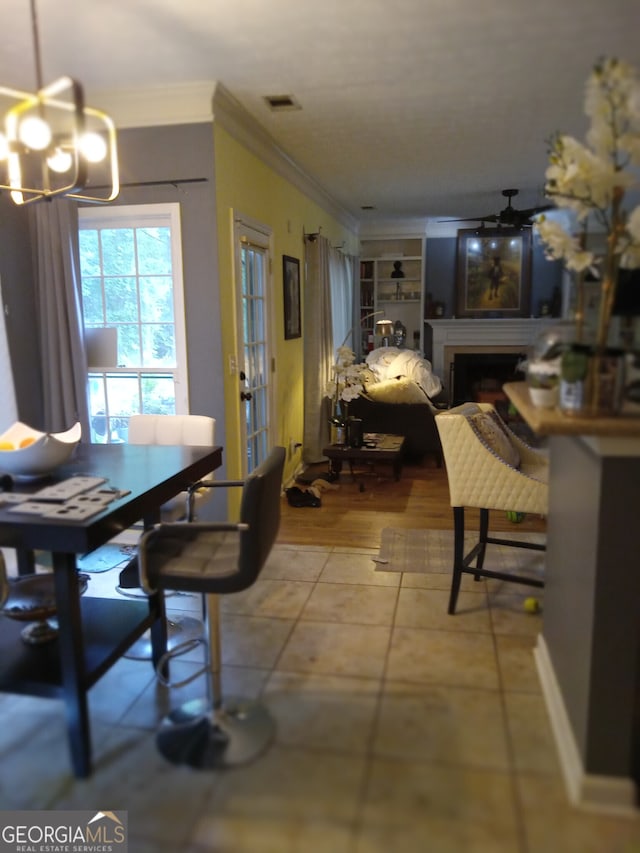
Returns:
<point x="469" y="335"/>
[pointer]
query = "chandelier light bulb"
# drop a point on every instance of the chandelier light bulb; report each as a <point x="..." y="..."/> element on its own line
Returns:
<point x="60" y="161"/>
<point x="93" y="147"/>
<point x="35" y="133"/>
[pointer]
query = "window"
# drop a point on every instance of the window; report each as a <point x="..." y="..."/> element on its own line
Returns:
<point x="131" y="271"/>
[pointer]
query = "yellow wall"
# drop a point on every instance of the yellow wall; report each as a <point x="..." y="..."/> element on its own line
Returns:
<point x="246" y="186"/>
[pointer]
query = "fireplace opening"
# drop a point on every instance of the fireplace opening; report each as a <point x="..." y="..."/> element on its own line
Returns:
<point x="479" y="377"/>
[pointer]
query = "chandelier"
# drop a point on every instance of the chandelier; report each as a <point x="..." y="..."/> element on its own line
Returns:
<point x="52" y="144"/>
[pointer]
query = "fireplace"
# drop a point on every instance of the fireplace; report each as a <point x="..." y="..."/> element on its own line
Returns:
<point x="479" y="376"/>
<point x="493" y="345"/>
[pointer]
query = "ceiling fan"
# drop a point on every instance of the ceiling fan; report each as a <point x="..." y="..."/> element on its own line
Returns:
<point x="509" y="216"/>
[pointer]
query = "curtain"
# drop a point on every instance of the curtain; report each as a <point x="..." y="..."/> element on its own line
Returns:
<point x="341" y="278"/>
<point x="318" y="349"/>
<point x="8" y="408"/>
<point x="54" y="227"/>
<point x="328" y="321"/>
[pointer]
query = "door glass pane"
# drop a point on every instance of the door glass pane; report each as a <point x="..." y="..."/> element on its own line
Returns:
<point x="253" y="264"/>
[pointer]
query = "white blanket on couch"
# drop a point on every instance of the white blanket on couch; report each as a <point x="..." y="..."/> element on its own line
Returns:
<point x="392" y="363"/>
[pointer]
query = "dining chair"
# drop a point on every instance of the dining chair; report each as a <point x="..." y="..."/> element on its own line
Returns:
<point x="189" y="430"/>
<point x="214" y="559"/>
<point x="489" y="468"/>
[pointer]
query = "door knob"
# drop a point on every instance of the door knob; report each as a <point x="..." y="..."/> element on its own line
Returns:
<point x="245" y="395"/>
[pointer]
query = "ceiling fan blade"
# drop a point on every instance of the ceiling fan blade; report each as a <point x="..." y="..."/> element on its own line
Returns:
<point x="492" y="218"/>
<point x="509" y="216"/>
<point x="534" y="211"/>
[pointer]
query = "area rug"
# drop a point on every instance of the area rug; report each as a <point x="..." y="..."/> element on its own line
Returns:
<point x="432" y="551"/>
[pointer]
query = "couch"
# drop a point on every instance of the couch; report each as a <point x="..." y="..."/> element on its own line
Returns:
<point x="398" y="399"/>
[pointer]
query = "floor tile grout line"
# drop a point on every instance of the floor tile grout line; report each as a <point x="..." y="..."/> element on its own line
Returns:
<point x="511" y="752"/>
<point x="370" y="756"/>
<point x="294" y="624"/>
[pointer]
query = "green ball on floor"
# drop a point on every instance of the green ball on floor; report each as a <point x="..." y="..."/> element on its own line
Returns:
<point x="516" y="517"/>
<point x="531" y="605"/>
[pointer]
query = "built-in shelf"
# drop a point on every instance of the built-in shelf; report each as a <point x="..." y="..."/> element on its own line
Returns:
<point x="392" y="282"/>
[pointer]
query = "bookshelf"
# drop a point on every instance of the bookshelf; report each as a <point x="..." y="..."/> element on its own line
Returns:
<point x="392" y="281"/>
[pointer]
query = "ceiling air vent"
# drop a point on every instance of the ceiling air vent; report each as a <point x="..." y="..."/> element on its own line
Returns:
<point x="279" y="103"/>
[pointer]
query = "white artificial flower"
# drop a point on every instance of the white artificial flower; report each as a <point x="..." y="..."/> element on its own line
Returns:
<point x="346" y="383"/>
<point x="633" y="224"/>
<point x="350" y="392"/>
<point x="630" y="258"/>
<point x="580" y="180"/>
<point x="561" y="246"/>
<point x="345" y="356"/>
<point x="592" y="179"/>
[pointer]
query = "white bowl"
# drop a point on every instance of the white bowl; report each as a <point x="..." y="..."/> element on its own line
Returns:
<point x="43" y="455"/>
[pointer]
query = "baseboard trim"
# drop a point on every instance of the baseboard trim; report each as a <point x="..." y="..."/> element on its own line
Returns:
<point x="592" y="792"/>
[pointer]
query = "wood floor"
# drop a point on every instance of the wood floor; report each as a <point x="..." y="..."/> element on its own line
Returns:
<point x="355" y="513"/>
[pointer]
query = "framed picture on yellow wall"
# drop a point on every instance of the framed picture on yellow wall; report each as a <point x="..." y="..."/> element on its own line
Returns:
<point x="291" y="280"/>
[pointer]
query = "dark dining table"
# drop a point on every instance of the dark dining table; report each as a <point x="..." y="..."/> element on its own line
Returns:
<point x="93" y="633"/>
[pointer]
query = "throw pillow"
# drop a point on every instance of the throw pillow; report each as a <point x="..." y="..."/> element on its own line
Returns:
<point x="400" y="390"/>
<point x="495" y="438"/>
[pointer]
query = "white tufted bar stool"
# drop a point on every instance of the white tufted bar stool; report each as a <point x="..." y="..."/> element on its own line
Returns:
<point x="190" y="431"/>
<point x="488" y="468"/>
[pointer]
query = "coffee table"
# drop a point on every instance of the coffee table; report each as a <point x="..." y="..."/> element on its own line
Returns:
<point x="387" y="449"/>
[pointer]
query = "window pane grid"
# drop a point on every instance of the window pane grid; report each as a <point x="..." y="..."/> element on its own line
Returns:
<point x="127" y="283"/>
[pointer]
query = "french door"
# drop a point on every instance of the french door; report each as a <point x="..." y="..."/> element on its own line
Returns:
<point x="254" y="369"/>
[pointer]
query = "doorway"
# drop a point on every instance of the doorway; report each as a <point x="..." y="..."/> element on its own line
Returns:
<point x="255" y="364"/>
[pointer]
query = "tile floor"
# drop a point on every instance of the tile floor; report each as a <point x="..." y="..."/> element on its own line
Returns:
<point x="399" y="728"/>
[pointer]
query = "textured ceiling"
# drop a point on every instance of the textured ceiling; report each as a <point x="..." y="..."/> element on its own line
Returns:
<point x="421" y="108"/>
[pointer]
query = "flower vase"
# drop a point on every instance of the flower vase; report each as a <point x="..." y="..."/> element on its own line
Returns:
<point x="338" y="425"/>
<point x="574" y="367"/>
<point x="592" y="381"/>
<point x="605" y="382"/>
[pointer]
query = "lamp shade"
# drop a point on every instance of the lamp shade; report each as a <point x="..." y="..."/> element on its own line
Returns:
<point x="384" y="328"/>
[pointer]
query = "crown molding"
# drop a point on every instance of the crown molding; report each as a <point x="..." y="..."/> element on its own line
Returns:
<point x="206" y="101"/>
<point x="380" y="229"/>
<point x="233" y="117"/>
<point x="153" y="106"/>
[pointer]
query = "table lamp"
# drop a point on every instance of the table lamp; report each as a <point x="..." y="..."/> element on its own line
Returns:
<point x="384" y="328"/>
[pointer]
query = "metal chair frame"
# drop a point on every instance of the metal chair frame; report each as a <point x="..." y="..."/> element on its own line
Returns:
<point x="216" y="731"/>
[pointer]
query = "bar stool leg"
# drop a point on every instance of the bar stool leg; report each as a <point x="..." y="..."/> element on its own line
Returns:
<point x="215" y="733"/>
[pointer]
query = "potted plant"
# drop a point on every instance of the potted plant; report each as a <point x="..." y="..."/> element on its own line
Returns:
<point x="543" y="380"/>
<point x="345" y="385"/>
<point x="592" y="181"/>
